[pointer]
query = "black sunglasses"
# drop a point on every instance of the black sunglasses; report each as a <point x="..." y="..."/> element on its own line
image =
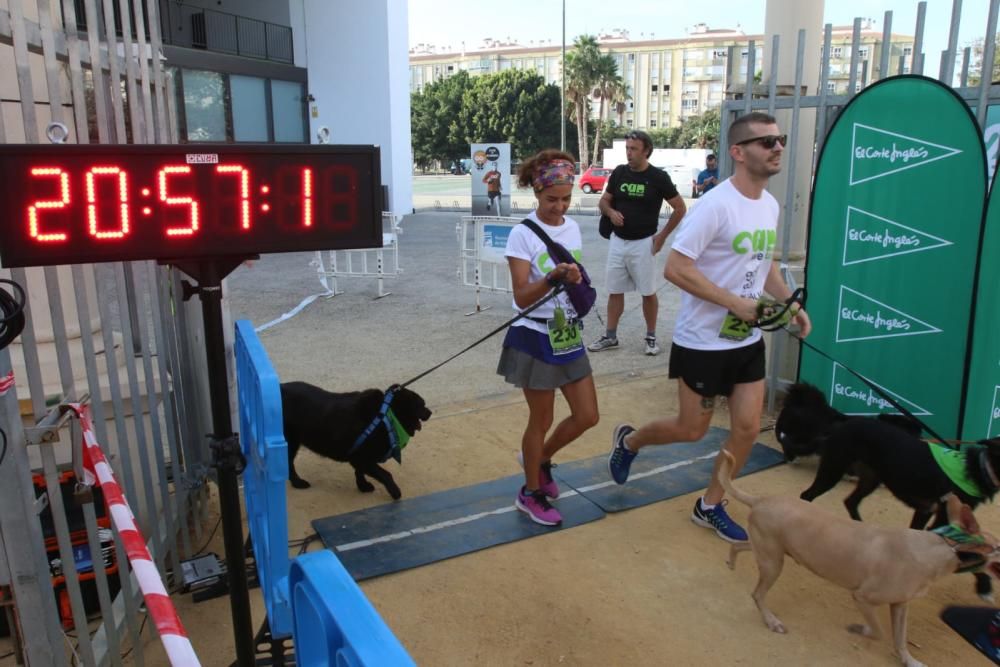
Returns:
<point x="768" y="141"/>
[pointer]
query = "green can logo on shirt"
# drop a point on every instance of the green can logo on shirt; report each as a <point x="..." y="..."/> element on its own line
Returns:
<point x="759" y="241"/>
<point x="633" y="189"/>
<point x="545" y="263"/>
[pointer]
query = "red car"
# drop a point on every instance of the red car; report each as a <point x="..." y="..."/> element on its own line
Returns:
<point x="593" y="179"/>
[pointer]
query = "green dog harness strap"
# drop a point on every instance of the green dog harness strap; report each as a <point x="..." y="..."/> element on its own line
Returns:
<point x="952" y="462"/>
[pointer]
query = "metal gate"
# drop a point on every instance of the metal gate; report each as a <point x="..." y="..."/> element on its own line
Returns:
<point x="112" y="336"/>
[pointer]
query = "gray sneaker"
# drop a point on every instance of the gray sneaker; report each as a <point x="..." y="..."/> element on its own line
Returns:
<point x="603" y="343"/>
<point x="652" y="349"/>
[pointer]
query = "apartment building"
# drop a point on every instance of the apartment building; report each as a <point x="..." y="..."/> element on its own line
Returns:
<point x="668" y="79"/>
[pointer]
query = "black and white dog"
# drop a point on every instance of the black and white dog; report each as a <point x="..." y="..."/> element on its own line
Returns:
<point x="363" y="428"/>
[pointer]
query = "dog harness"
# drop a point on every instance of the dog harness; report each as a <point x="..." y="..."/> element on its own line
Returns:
<point x="972" y="550"/>
<point x="952" y="463"/>
<point x="398" y="437"/>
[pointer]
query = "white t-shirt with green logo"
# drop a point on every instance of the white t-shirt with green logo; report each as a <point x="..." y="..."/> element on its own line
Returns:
<point x="524" y="243"/>
<point x="731" y="239"/>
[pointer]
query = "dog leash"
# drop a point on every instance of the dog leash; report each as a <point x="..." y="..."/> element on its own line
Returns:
<point x="551" y="295"/>
<point x="889" y="399"/>
<point x="774" y="315"/>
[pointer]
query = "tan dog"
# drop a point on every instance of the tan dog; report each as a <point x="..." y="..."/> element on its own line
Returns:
<point x="879" y="565"/>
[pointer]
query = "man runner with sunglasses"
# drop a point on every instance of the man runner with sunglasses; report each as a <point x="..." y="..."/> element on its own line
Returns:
<point x="721" y="260"/>
<point x="632" y="199"/>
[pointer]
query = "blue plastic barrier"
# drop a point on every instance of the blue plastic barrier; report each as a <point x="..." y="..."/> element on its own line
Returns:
<point x="262" y="438"/>
<point x="313" y="598"/>
<point x="335" y="624"/>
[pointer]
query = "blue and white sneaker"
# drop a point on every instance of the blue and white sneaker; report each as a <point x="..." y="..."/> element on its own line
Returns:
<point x="717" y="519"/>
<point x="621" y="456"/>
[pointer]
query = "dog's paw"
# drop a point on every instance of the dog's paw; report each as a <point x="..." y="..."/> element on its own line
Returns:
<point x="300" y="483"/>
<point x="775" y="625"/>
<point x="364" y="486"/>
<point x="860" y="629"/>
<point x="988" y="598"/>
<point x="394" y="492"/>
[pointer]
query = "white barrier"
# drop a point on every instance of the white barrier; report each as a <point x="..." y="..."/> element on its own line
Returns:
<point x="481" y="262"/>
<point x="378" y="263"/>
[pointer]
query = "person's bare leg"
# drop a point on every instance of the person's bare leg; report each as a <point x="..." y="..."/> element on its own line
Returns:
<point x="582" y="398"/>
<point x="616" y="306"/>
<point x="540" y="409"/>
<point x="745" y="406"/>
<point x="650" y="307"/>
<point x="688" y="425"/>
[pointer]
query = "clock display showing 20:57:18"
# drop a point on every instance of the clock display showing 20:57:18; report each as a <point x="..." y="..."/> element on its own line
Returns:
<point x="133" y="206"/>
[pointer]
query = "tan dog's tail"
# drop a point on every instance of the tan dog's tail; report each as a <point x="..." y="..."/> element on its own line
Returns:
<point x="726" y="479"/>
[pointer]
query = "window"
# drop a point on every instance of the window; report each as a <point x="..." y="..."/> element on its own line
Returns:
<point x="689" y="105"/>
<point x="289" y="111"/>
<point x="250" y="113"/>
<point x="831" y="86"/>
<point x="631" y="57"/>
<point x="205" y="105"/>
<point x="907" y="50"/>
<point x="628" y="122"/>
<point x="653" y="88"/>
<point x="652" y="122"/>
<point x="666" y="89"/>
<point x="862" y="52"/>
<point x="837" y="52"/>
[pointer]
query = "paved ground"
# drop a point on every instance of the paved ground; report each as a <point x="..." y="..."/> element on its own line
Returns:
<point x="643" y="587"/>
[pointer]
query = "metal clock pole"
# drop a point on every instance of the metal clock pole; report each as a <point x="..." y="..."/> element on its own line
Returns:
<point x="227" y="456"/>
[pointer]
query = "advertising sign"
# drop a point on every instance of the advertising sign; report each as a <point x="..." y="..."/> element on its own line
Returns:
<point x="894" y="229"/>
<point x="491" y="179"/>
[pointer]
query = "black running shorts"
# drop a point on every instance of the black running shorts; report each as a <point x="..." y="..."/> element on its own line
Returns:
<point x="713" y="373"/>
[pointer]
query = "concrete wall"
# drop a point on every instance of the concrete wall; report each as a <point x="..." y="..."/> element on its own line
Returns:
<point x="357" y="58"/>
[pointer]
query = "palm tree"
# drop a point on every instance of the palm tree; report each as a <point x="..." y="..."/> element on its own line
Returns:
<point x="618" y="98"/>
<point x="608" y="80"/>
<point x="581" y="65"/>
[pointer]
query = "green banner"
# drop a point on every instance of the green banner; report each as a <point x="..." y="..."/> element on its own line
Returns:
<point x="894" y="228"/>
<point x="982" y="406"/>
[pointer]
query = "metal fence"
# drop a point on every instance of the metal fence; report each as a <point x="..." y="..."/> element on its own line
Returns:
<point x="807" y="119"/>
<point x="111" y="335"/>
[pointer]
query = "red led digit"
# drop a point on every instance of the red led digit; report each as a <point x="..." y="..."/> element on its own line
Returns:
<point x="91" y="180"/>
<point x="307" y="194"/>
<point x="346" y="198"/>
<point x="244" y="176"/>
<point x="62" y="202"/>
<point x="161" y="178"/>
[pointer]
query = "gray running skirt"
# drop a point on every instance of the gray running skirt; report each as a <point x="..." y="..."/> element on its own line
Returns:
<point x="525" y="372"/>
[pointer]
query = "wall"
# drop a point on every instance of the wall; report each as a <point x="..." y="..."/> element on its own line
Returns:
<point x="359" y="79"/>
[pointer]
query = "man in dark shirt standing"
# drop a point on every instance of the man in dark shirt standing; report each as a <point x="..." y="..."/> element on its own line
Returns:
<point x="632" y="199"/>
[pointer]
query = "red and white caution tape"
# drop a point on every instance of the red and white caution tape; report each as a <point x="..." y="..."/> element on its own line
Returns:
<point x="158" y="603"/>
<point x="6" y="382"/>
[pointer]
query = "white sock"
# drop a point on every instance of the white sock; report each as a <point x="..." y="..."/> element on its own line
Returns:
<point x="704" y="507"/>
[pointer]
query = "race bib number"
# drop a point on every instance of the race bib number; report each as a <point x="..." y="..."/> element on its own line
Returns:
<point x="733" y="328"/>
<point x="565" y="335"/>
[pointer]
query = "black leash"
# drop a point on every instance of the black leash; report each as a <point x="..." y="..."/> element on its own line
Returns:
<point x="771" y="317"/>
<point x="896" y="404"/>
<point x="551" y="295"/>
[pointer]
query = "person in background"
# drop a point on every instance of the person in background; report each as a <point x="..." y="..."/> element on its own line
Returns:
<point x="708" y="177"/>
<point x="721" y="260"/>
<point x="543" y="351"/>
<point x="632" y="199"/>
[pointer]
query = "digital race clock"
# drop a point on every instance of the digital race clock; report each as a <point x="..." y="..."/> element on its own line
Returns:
<point x="67" y="204"/>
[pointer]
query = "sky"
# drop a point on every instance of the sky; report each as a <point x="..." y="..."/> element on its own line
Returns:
<point x="450" y="22"/>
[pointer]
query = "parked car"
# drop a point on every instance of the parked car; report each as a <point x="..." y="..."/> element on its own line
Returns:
<point x="593" y="179"/>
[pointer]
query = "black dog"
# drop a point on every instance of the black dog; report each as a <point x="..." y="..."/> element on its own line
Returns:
<point x="885" y="450"/>
<point x="330" y="424"/>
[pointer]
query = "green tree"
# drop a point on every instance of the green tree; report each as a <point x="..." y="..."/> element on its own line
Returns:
<point x="435" y="133"/>
<point x="581" y="75"/>
<point x="606" y="87"/>
<point x="701" y="131"/>
<point x="976" y="68"/>
<point x="514" y="106"/>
